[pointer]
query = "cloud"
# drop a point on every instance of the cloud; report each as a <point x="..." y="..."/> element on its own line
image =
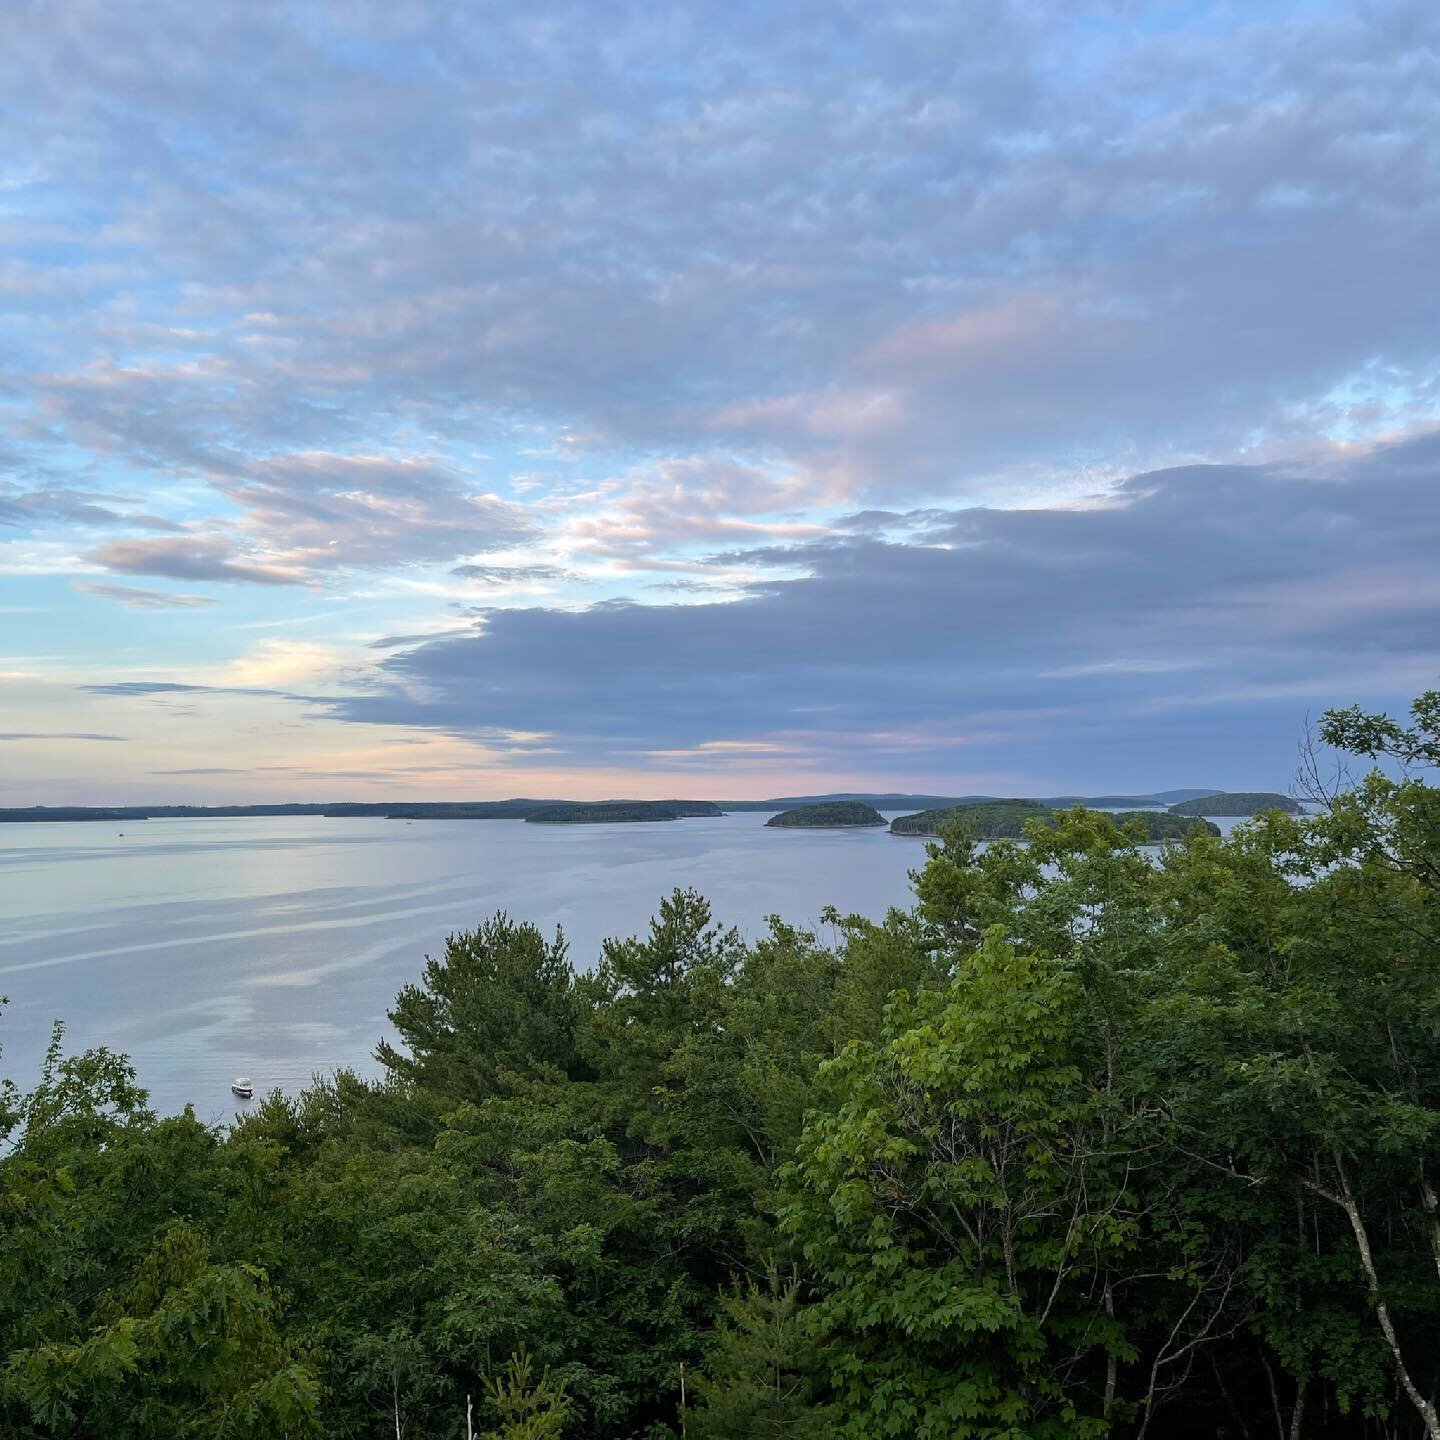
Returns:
<point x="513" y="574"/>
<point x="318" y="510"/>
<point x="394" y="642"/>
<point x="204" y="770"/>
<point x="58" y="735"/>
<point x="889" y="252"/>
<point x="143" y="689"/>
<point x="1214" y="591"/>
<point x="305" y="513"/>
<point x="190" y="558"/>
<point x="141" y="599"/>
<point x="281" y="663"/>
<point x="21" y="507"/>
<point x="652" y="515"/>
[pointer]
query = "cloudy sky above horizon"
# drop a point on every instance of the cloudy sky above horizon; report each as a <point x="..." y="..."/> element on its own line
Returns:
<point x="409" y="399"/>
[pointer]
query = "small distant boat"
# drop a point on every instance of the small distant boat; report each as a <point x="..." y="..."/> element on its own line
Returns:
<point x="243" y="1088"/>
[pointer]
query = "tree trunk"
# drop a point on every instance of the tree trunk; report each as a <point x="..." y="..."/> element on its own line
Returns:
<point x="1274" y="1397"/>
<point x="1427" y="1197"/>
<point x="1347" y="1202"/>
<point x="1110" y="1364"/>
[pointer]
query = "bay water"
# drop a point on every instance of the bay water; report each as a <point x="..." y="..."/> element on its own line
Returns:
<point x="273" y="947"/>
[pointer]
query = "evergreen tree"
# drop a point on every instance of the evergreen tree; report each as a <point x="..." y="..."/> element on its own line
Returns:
<point x="764" y="1376"/>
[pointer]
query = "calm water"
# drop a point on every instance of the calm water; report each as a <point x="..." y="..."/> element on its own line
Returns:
<point x="273" y="947"/>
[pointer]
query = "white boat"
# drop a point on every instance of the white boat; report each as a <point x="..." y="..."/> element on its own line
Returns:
<point x="243" y="1088"/>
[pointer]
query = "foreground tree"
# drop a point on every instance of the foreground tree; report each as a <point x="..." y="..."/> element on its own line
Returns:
<point x="965" y="1210"/>
<point x="764" y="1374"/>
<point x="188" y="1349"/>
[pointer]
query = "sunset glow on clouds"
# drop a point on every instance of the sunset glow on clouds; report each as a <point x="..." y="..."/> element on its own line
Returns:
<point x="589" y="400"/>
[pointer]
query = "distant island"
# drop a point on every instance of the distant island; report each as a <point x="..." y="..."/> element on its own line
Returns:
<point x="613" y="812"/>
<point x="1186" y="802"/>
<point x="331" y="810"/>
<point x="847" y="814"/>
<point x="901" y="800"/>
<point x="1238" y="802"/>
<point x="1005" y="820"/>
<point x="987" y="820"/>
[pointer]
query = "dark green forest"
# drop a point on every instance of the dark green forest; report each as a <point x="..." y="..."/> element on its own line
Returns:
<point x="1238" y="802"/>
<point x="1087" y="1141"/>
<point x="1009" y="819"/>
<point x="610" y="812"/>
<point x="847" y="813"/>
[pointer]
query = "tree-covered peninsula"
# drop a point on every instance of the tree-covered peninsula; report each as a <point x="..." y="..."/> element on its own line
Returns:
<point x="987" y="820"/>
<point x="1238" y="802"/>
<point x="1073" y="1146"/>
<point x="612" y="812"/>
<point x="846" y="814"/>
<point x="1007" y="819"/>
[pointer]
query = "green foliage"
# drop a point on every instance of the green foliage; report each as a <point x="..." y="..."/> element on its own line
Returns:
<point x="983" y="820"/>
<point x="186" y="1349"/>
<point x="827" y="815"/>
<point x="1160" y="825"/>
<point x="1012" y="819"/>
<point x="916" y="1195"/>
<point x="611" y="812"/>
<point x="499" y="1006"/>
<point x="1238" y="802"/>
<point x="1093" y="1140"/>
<point x="528" y="1409"/>
<point x="764" y="1365"/>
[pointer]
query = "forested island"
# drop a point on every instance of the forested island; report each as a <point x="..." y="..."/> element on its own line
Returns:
<point x="1006" y="819"/>
<point x="611" y="812"/>
<point x="1073" y="1146"/>
<point x="846" y="814"/>
<point x="985" y="820"/>
<point x="1238" y="802"/>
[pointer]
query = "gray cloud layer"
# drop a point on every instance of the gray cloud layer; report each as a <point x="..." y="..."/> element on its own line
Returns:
<point x="1165" y="628"/>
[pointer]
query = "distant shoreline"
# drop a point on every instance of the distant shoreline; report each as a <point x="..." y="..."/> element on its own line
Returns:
<point x="613" y="811"/>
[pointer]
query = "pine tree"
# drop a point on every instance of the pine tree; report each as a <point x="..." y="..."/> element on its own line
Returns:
<point x="528" y="1410"/>
<point x="763" y="1380"/>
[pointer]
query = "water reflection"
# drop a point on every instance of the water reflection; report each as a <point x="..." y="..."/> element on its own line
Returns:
<point x="272" y="947"/>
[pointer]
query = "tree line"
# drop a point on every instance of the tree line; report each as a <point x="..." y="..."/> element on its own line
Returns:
<point x="1084" y="1142"/>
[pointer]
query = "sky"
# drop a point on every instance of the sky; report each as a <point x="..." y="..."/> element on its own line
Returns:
<point x="439" y="401"/>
